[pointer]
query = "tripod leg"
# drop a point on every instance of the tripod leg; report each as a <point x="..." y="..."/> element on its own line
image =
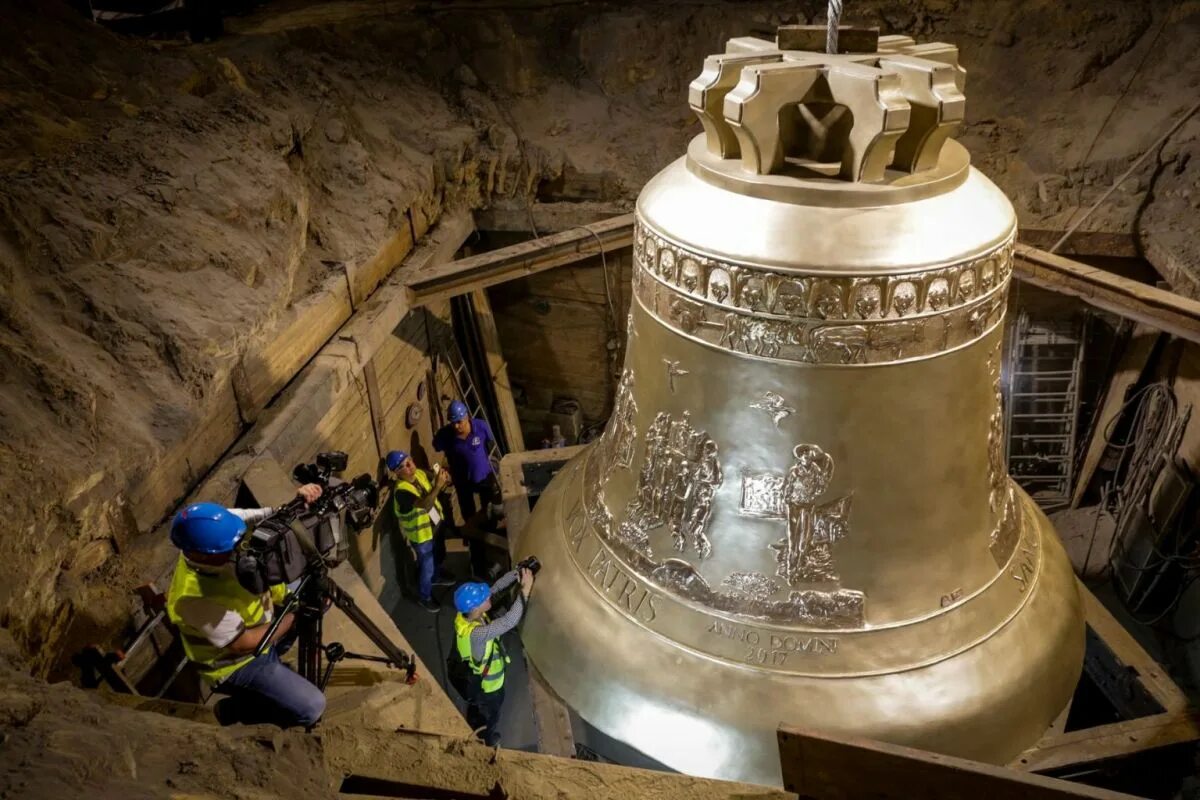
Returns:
<point x="345" y="602"/>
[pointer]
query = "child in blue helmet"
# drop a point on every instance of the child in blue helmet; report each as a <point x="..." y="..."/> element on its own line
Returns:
<point x="479" y="645"/>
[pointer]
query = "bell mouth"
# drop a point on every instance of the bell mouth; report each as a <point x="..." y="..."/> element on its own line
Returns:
<point x="814" y="183"/>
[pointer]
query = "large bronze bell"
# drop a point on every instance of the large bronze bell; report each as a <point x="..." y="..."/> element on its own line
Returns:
<point x="799" y="511"/>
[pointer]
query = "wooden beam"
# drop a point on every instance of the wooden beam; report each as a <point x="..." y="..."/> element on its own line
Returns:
<point x="439" y="281"/>
<point x="498" y="371"/>
<point x="1118" y="740"/>
<point x="375" y="320"/>
<point x="824" y="766"/>
<point x="375" y="406"/>
<point x="1159" y="308"/>
<point x="551" y="718"/>
<point x="1110" y="742"/>
<point x="512" y="485"/>
<point x="412" y="763"/>
<point x="1083" y="243"/>
<point x="1126" y="648"/>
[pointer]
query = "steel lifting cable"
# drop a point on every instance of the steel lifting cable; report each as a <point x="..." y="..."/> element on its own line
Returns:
<point x="1156" y="147"/>
<point x="831" y="31"/>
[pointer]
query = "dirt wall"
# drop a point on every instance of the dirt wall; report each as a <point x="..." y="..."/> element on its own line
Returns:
<point x="167" y="211"/>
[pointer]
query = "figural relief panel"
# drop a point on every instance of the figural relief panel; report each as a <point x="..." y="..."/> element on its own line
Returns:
<point x="677" y="482"/>
<point x="678" y="479"/>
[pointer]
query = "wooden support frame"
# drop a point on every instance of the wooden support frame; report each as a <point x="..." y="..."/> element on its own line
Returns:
<point x="823" y="766"/>
<point x="1159" y="308"/>
<point x="1176" y="725"/>
<point x="498" y="371"/>
<point x="439" y="281"/>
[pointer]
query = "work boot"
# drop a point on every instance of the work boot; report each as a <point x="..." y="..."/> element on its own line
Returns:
<point x="443" y="579"/>
<point x="429" y="604"/>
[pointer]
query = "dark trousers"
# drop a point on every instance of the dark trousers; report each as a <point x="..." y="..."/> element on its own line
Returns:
<point x="487" y="492"/>
<point x="483" y="711"/>
<point x="430" y="556"/>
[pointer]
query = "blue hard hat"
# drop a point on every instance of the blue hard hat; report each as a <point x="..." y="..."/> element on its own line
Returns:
<point x="206" y="528"/>
<point x="458" y="411"/>
<point x="470" y="596"/>
<point x="395" y="459"/>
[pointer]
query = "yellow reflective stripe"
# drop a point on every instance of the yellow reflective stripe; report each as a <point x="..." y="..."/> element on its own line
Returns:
<point x="416" y="523"/>
<point x="215" y="663"/>
<point x="494" y="657"/>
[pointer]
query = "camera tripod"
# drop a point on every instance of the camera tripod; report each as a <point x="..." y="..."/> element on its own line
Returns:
<point x="315" y="593"/>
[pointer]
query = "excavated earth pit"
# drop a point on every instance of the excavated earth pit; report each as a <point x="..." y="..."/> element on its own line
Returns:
<point x="184" y="227"/>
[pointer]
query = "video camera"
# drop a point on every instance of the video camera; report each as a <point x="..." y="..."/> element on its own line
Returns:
<point x="532" y="564"/>
<point x="298" y="536"/>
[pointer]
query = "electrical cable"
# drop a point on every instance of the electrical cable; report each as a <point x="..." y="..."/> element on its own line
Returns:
<point x="603" y="268"/>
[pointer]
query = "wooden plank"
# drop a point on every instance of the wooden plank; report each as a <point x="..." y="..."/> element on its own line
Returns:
<point x="1128" y="372"/>
<point x="1149" y="672"/>
<point x="411" y="763"/>
<point x="527" y="258"/>
<point x="1109" y="742"/>
<point x="498" y="370"/>
<point x="365" y="278"/>
<point x="1159" y="308"/>
<point x="374" y="406"/>
<point x="512" y="485"/>
<point x="375" y="319"/>
<point x="1083" y="243"/>
<point x="825" y="766"/>
<point x="299" y="334"/>
<point x="550" y="717"/>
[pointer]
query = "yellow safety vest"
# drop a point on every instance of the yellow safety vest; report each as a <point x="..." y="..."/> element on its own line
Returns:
<point x="494" y="657"/>
<point x="216" y="664"/>
<point x="416" y="524"/>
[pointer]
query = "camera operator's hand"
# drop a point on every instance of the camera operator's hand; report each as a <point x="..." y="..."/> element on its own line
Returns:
<point x="310" y="492"/>
<point x="526" y="578"/>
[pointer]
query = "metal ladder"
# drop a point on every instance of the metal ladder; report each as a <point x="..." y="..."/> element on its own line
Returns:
<point x="1045" y="360"/>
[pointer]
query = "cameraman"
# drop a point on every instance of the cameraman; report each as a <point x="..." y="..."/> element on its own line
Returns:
<point x="419" y="513"/>
<point x="222" y="624"/>
<point x="479" y="645"/>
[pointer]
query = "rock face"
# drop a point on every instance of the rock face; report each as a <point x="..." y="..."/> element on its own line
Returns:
<point x="162" y="206"/>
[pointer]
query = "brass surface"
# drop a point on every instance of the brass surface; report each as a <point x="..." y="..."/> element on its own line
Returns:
<point x="799" y="512"/>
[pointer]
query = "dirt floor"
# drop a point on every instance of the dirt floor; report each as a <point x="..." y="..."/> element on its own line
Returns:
<point x="161" y="204"/>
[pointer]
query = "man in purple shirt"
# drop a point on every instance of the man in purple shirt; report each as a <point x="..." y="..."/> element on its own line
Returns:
<point x="466" y="442"/>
